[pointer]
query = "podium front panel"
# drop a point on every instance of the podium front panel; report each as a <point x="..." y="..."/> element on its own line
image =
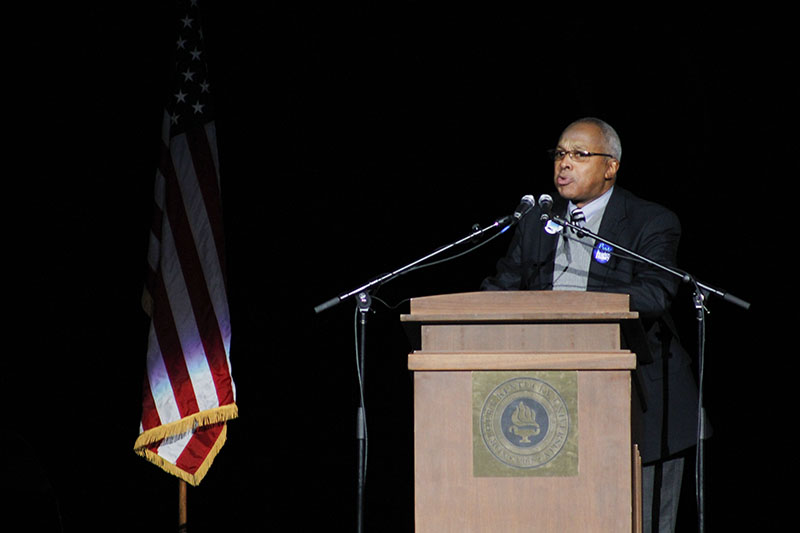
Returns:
<point x="449" y="497"/>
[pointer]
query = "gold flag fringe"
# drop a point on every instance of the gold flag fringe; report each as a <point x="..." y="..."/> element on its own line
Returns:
<point x="222" y="413"/>
<point x="198" y="476"/>
<point x="179" y="427"/>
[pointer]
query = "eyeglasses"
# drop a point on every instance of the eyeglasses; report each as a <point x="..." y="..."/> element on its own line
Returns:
<point x="575" y="155"/>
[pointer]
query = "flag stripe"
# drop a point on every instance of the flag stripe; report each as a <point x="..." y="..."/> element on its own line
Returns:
<point x="196" y="450"/>
<point x="209" y="185"/>
<point x="168" y="341"/>
<point x="192" y="266"/>
<point x="150" y="418"/>
<point x="165" y="401"/>
<point x="190" y="334"/>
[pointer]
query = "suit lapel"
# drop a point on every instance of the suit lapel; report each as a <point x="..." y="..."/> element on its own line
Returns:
<point x="613" y="223"/>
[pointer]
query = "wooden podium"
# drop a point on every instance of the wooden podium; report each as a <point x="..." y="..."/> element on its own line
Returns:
<point x="495" y="372"/>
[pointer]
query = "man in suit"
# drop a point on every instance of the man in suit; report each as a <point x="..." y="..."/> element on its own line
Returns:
<point x="549" y="257"/>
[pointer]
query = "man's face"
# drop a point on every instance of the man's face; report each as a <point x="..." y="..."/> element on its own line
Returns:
<point x="583" y="181"/>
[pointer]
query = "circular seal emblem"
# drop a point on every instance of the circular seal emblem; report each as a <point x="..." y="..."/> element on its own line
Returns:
<point x="524" y="422"/>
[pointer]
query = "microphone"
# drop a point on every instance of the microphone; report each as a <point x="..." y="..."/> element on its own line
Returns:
<point x="525" y="205"/>
<point x="546" y="205"/>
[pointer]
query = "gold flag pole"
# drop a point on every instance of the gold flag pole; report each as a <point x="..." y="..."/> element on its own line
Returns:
<point x="182" y="512"/>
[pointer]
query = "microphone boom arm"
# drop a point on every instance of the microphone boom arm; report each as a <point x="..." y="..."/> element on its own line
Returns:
<point x="506" y="221"/>
<point x="686" y="277"/>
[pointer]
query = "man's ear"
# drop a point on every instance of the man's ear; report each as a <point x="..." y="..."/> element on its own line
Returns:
<point x="612" y="167"/>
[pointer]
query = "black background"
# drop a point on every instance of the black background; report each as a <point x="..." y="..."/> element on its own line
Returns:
<point x="354" y="139"/>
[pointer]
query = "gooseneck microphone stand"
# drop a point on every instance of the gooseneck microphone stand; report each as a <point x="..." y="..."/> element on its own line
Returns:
<point x="363" y="303"/>
<point x="701" y="291"/>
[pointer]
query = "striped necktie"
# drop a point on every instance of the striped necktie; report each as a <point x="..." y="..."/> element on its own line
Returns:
<point x="579" y="219"/>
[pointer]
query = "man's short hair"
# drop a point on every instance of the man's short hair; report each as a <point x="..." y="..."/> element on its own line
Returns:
<point x="610" y="137"/>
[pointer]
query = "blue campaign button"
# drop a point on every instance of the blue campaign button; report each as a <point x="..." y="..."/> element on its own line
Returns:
<point x="602" y="253"/>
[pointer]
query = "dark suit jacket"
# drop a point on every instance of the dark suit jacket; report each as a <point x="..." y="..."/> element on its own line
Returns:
<point x="666" y="401"/>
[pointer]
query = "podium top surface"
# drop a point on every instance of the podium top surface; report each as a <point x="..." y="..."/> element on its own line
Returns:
<point x="516" y="306"/>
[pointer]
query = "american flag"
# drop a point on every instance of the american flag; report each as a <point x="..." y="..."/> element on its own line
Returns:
<point x="189" y="392"/>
